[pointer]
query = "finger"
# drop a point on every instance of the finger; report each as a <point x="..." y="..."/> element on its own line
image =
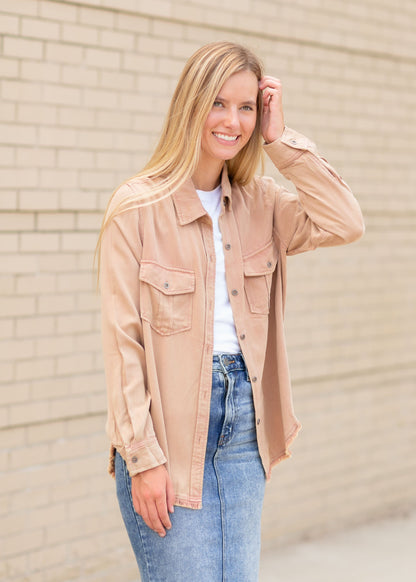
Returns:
<point x="154" y="519"/>
<point x="163" y="512"/>
<point x="170" y="495"/>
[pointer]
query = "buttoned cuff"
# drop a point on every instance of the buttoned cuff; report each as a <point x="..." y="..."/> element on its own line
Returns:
<point x="143" y="456"/>
<point x="288" y="148"/>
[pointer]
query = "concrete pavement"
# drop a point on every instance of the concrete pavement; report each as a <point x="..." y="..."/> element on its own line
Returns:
<point x="383" y="551"/>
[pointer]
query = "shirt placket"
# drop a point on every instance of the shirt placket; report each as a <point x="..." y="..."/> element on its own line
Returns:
<point x="204" y="402"/>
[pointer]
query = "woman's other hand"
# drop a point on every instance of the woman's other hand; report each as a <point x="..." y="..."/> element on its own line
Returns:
<point x="153" y="497"/>
<point x="273" y="122"/>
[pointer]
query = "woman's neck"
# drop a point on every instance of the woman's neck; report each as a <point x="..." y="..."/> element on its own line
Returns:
<point x="207" y="177"/>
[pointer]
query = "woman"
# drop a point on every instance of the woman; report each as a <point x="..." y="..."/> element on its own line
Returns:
<point x="193" y="255"/>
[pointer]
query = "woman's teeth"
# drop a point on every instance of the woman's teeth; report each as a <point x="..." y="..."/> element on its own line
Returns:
<point x="226" y="137"/>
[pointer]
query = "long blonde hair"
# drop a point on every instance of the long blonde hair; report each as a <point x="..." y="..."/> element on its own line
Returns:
<point x="176" y="155"/>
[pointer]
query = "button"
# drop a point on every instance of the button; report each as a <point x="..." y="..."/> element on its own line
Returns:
<point x="234" y="292"/>
<point x="228" y="246"/>
<point x="269" y="264"/>
<point x="134" y="459"/>
<point x="258" y="421"/>
<point x="166" y="285"/>
<point x="242" y="336"/>
<point x="254" y="379"/>
<point x="293" y="141"/>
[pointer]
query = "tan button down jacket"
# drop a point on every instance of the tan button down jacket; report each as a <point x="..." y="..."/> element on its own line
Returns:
<point x="157" y="285"/>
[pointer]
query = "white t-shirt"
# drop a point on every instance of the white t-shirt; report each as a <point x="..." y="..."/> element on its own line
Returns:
<point x="225" y="336"/>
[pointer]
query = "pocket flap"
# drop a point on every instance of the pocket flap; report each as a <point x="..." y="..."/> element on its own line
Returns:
<point x="261" y="262"/>
<point x="169" y="280"/>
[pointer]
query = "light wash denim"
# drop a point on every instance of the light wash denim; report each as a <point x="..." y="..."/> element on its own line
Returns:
<point x="221" y="541"/>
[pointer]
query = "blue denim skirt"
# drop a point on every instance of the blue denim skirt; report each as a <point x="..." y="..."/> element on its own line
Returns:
<point x="221" y="541"/>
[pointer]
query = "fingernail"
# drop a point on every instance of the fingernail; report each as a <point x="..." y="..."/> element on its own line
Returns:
<point x="162" y="535"/>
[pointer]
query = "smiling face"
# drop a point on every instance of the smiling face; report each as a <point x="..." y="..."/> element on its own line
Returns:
<point x="231" y="121"/>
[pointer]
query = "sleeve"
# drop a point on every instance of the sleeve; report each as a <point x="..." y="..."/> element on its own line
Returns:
<point x="324" y="212"/>
<point x="129" y="422"/>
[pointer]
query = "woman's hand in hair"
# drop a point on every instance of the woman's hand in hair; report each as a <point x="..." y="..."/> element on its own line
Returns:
<point x="273" y="122"/>
<point x="153" y="497"/>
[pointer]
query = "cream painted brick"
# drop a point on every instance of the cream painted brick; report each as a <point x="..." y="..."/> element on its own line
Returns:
<point x="17" y="392"/>
<point x="138" y="62"/>
<point x="7" y="286"/>
<point x="56" y="262"/>
<point x="30" y="412"/>
<point x="50" y="556"/>
<point x="37" y="157"/>
<point x="69" y="407"/>
<point x="166" y="29"/>
<point x="39" y="28"/>
<point x="78" y="241"/>
<point x="9" y="24"/>
<point x="56" y="221"/>
<point x="74" y="323"/>
<point x="113" y="120"/>
<point x="100" y="98"/>
<point x="50" y="388"/>
<point x="40" y="71"/>
<point x="18" y="134"/>
<point x="117" y="40"/>
<point x="9" y="243"/>
<point x="35" y="284"/>
<point x="11" y="306"/>
<point x="117" y="80"/>
<point x="24" y="541"/>
<point x="52" y="346"/>
<point x="7" y="375"/>
<point x="23" y="48"/>
<point x="22" y="7"/>
<point x="134" y="23"/>
<point x="19" y="263"/>
<point x="170" y="67"/>
<point x="60" y="303"/>
<point x="16" y="350"/>
<point x="13" y="437"/>
<point x="6" y="328"/>
<point x="152" y="85"/>
<point x="12" y="179"/>
<point x="57" y="136"/>
<point x="24" y="457"/>
<point x="7" y="155"/>
<point x="74" y="281"/>
<point x="40" y="241"/>
<point x="153" y="46"/>
<point x="51" y="178"/>
<point x="63" y="53"/>
<point x="88" y="301"/>
<point x="100" y="140"/>
<point x="75" y="117"/>
<point x="85" y="35"/>
<point x="43" y="114"/>
<point x="57" y="11"/>
<point x="61" y="95"/>
<point x="98" y="179"/>
<point x="79" y="75"/>
<point x="106" y="59"/>
<point x="77" y="200"/>
<point x="97" y="17"/>
<point x="45" y="433"/>
<point x="38" y="200"/>
<point x="34" y="326"/>
<point x="8" y="112"/>
<point x="79" y="362"/>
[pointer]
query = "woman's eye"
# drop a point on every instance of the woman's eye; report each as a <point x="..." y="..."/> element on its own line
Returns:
<point x="247" y="108"/>
<point x="217" y="104"/>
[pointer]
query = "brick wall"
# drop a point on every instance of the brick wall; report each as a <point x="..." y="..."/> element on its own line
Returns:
<point x="84" y="86"/>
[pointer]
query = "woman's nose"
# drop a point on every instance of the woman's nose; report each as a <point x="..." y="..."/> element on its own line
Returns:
<point x="231" y="119"/>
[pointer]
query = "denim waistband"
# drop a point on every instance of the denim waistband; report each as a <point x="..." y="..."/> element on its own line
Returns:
<point x="228" y="362"/>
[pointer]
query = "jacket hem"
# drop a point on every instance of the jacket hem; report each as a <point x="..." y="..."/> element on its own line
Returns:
<point x="286" y="454"/>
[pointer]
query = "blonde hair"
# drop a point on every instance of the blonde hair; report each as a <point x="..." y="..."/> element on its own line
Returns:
<point x="176" y="155"/>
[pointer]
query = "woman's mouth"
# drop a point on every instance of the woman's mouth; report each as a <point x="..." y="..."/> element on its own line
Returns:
<point x="224" y="137"/>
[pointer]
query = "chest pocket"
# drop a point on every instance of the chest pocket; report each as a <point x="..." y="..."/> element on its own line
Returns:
<point x="258" y="272"/>
<point x="166" y="297"/>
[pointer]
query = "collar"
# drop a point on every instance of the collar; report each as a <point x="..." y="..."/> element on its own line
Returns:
<point x="188" y="205"/>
